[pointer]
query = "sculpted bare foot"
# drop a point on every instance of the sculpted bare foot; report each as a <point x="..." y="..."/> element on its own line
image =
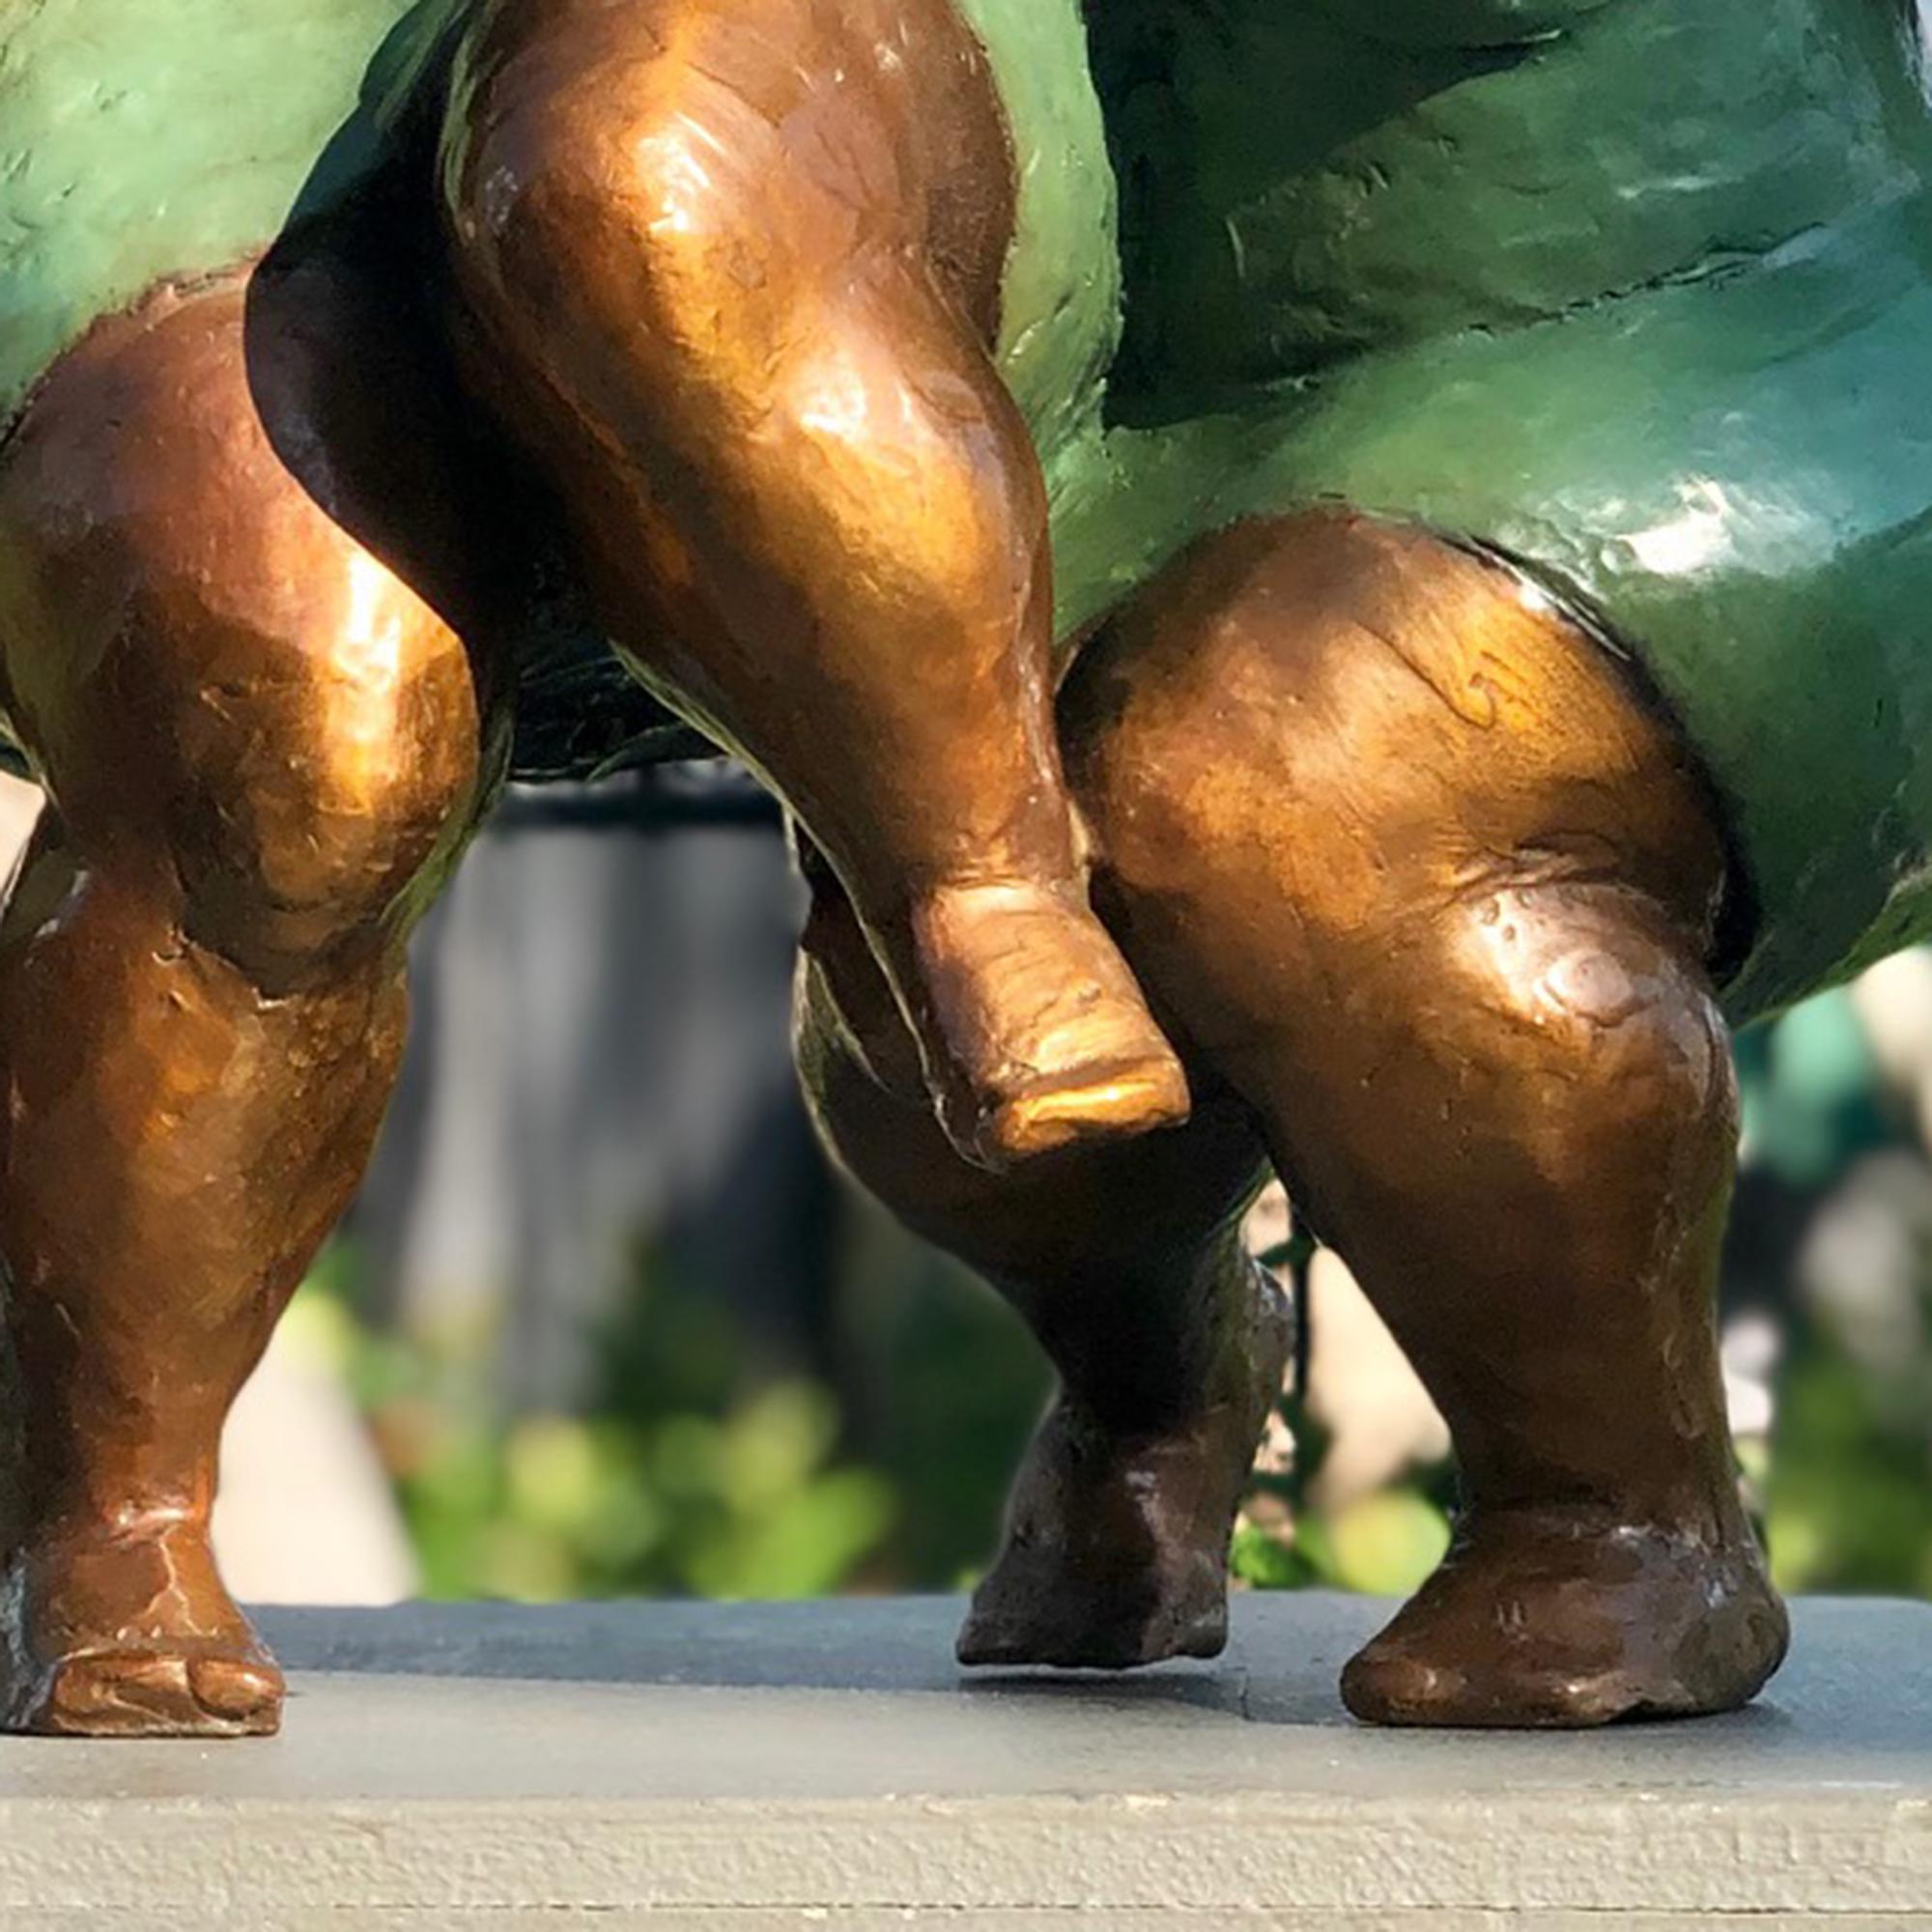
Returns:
<point x="131" y="1635"/>
<point x="1036" y="1030"/>
<point x="1116" y="1545"/>
<point x="1567" y="1619"/>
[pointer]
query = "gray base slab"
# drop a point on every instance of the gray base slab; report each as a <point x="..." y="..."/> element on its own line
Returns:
<point x="760" y="1767"/>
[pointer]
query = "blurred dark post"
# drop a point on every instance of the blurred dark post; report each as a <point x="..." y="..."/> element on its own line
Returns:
<point x="600" y="1058"/>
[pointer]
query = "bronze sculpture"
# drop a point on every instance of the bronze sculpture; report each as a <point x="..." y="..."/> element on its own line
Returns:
<point x="767" y="339"/>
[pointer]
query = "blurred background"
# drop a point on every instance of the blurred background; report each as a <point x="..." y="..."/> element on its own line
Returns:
<point x="604" y="1322"/>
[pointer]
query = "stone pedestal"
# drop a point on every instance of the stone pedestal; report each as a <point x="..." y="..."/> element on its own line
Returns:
<point x="763" y="1767"/>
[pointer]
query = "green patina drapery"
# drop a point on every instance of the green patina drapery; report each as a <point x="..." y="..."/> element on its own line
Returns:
<point x="1635" y="292"/>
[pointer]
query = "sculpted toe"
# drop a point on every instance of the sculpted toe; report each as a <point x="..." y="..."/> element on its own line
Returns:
<point x="242" y="1690"/>
<point x="1062" y="1619"/>
<point x="116" y="1636"/>
<point x="138" y="1695"/>
<point x="1108" y="1098"/>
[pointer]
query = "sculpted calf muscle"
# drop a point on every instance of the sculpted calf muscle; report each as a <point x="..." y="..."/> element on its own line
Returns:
<point x="739" y="264"/>
<point x="1366" y="522"/>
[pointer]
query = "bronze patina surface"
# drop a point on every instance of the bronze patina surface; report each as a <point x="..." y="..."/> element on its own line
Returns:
<point x="263" y="751"/>
<point x="737" y="263"/>
<point x="1293" y="834"/>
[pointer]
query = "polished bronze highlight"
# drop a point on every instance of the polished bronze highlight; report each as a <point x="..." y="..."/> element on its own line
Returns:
<point x="1341" y="850"/>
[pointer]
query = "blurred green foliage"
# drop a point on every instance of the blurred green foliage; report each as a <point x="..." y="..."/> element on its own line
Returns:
<point x="1851" y="1488"/>
<point x="696" y="1468"/>
<point x="1811" y="1093"/>
<point x="743" y="1497"/>
<point x="1381" y="1544"/>
<point x="1848" y="1480"/>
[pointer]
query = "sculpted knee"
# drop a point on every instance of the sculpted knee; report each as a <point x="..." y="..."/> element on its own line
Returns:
<point x="1246" y="714"/>
<point x="565" y="173"/>
<point x="1601" y="995"/>
<point x="236" y="706"/>
<point x="314" y="817"/>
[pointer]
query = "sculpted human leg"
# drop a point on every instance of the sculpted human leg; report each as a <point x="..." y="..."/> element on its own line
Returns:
<point x="1434" y="890"/>
<point x="262" y="752"/>
<point x="1127" y="1262"/>
<point x="731" y="270"/>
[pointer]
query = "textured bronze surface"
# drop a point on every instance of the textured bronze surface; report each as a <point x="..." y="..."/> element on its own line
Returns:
<point x="733" y="269"/>
<point x="1423" y="894"/>
<point x="1127" y="1260"/>
<point x="262" y="752"/>
<point x="1410" y="867"/>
